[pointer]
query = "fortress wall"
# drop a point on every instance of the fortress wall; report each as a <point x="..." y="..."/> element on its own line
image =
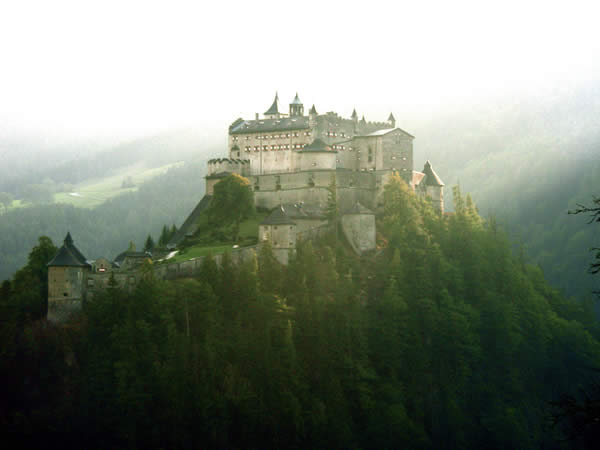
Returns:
<point x="360" y="231"/>
<point x="342" y="129"/>
<point x="316" y="161"/>
<point x="397" y="153"/>
<point x="296" y="188"/>
<point x="65" y="282"/>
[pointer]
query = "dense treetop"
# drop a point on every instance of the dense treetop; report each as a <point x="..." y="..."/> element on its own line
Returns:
<point x="442" y="338"/>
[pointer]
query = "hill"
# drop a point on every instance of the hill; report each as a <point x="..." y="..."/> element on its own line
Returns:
<point x="444" y="338"/>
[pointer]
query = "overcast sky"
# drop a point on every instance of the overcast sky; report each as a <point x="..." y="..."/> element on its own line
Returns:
<point x="128" y="68"/>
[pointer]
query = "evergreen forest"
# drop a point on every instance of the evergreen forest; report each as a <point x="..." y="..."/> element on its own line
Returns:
<point x="444" y="338"/>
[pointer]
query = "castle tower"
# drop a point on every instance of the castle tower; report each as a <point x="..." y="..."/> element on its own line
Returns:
<point x="273" y="111"/>
<point x="433" y="186"/>
<point x="296" y="107"/>
<point x="392" y="121"/>
<point x="66" y="281"/>
<point x="354" y="116"/>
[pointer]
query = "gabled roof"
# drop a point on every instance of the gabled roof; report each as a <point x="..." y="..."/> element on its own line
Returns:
<point x="317" y="146"/>
<point x="266" y="125"/>
<point x="278" y="217"/>
<point x="68" y="255"/>
<point x="431" y="178"/>
<point x="274" y="109"/>
<point x="296" y="100"/>
<point x="417" y="177"/>
<point x="384" y="132"/>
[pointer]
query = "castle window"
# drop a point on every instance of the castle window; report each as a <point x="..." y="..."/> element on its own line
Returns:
<point x="275" y="227"/>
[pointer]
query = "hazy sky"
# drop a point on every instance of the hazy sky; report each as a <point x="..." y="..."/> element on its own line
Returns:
<point x="127" y="68"/>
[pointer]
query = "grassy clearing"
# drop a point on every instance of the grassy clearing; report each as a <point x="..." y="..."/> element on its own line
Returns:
<point x="216" y="240"/>
<point x="196" y="252"/>
<point x="92" y="193"/>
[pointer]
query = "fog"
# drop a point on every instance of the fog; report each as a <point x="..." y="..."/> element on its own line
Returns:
<point x="110" y="71"/>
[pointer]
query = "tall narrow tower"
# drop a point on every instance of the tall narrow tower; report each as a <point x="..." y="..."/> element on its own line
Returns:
<point x="296" y="107"/>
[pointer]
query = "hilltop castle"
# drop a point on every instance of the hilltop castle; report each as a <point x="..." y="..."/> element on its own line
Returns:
<point x="290" y="159"/>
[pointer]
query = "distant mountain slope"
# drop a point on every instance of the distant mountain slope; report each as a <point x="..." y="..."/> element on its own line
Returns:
<point x="73" y="166"/>
<point x="528" y="163"/>
<point x="107" y="229"/>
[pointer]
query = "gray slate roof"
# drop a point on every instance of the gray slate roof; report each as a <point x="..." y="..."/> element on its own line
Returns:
<point x="431" y="178"/>
<point x="296" y="100"/>
<point x="274" y="109"/>
<point x="317" y="146"/>
<point x="266" y="125"/>
<point x="278" y="217"/>
<point x="189" y="226"/>
<point x="68" y="255"/>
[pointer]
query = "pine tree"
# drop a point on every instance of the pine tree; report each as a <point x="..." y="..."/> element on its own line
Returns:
<point x="149" y="245"/>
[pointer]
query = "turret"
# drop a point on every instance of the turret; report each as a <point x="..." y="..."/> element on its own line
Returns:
<point x="354" y="116"/>
<point x="296" y="107"/>
<point x="273" y="111"/>
<point x="392" y="121"/>
<point x="433" y="186"/>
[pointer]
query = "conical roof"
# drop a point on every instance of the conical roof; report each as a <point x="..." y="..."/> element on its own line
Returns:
<point x="391" y="118"/>
<point x="313" y="110"/>
<point x="274" y="109"/>
<point x="68" y="255"/>
<point x="278" y="217"/>
<point x="363" y="119"/>
<point x="354" y="115"/>
<point x="431" y="178"/>
<point x="296" y="100"/>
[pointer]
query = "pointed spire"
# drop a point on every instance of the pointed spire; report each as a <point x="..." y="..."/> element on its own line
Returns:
<point x="363" y="119"/>
<point x="296" y="100"/>
<point x="391" y="118"/>
<point x="354" y="115"/>
<point x="313" y="110"/>
<point x="431" y="178"/>
<point x="68" y="239"/>
<point x="274" y="109"/>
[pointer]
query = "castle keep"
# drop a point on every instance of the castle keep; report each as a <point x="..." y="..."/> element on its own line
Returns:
<point x="291" y="159"/>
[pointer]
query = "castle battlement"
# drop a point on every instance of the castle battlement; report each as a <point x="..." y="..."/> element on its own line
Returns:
<point x="227" y="165"/>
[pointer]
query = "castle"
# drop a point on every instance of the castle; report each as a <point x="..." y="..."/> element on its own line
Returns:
<point x="291" y="159"/>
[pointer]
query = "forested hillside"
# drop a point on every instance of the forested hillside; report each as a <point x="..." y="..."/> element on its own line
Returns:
<point x="444" y="338"/>
<point x="106" y="230"/>
<point x="527" y="161"/>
